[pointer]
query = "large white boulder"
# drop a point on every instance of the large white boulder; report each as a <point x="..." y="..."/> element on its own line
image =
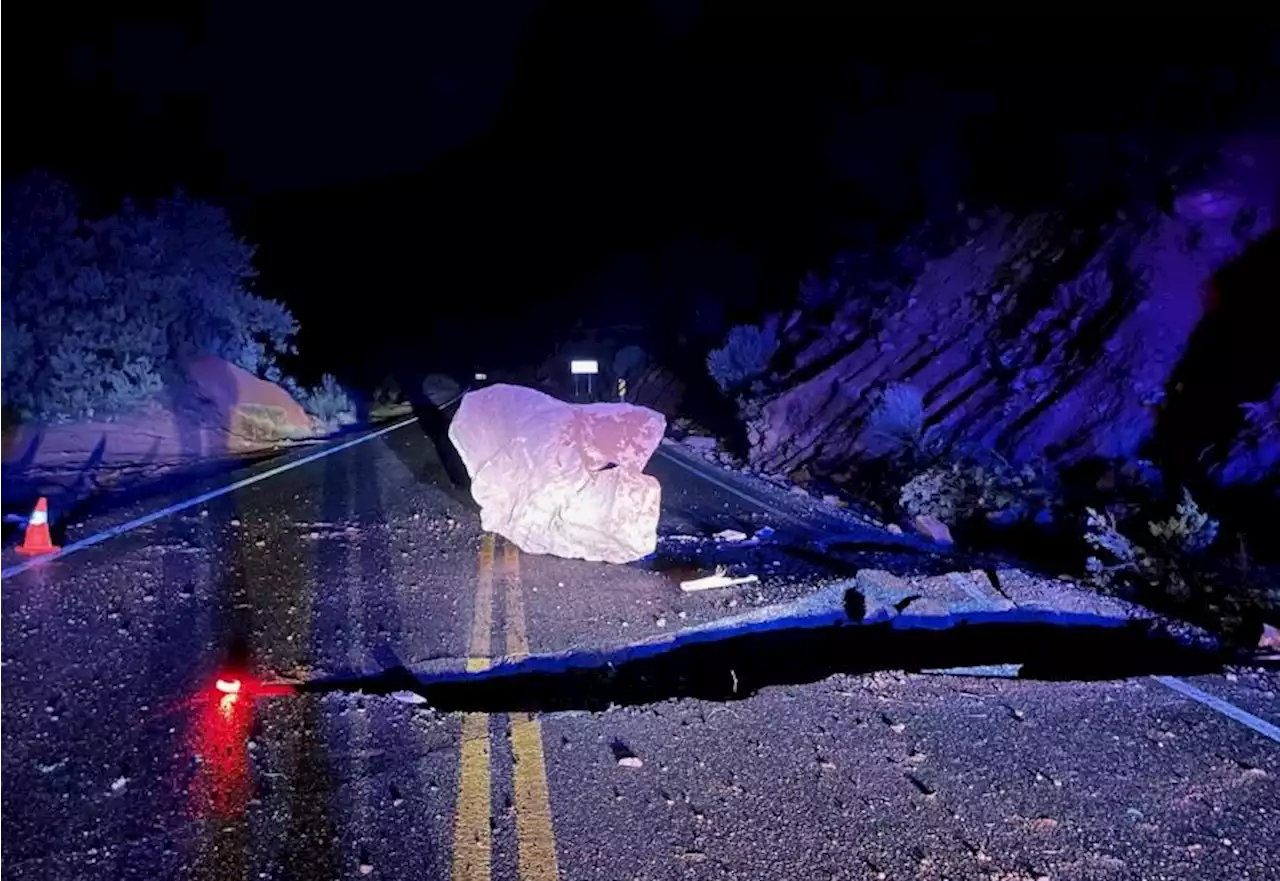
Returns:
<point x="558" y="478"/>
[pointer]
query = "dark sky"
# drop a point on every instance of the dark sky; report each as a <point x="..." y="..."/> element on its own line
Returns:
<point x="604" y="160"/>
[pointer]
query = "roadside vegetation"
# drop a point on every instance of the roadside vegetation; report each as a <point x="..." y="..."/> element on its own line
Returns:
<point x="100" y="313"/>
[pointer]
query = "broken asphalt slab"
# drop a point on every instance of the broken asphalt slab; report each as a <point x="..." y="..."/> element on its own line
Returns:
<point x="837" y="630"/>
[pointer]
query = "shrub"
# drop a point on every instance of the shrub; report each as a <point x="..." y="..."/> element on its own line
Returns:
<point x="896" y="425"/>
<point x="328" y="404"/>
<point x="744" y="356"/>
<point x="1114" y="557"/>
<point x="388" y="393"/>
<point x="1189" y="531"/>
<point x="935" y="492"/>
<point x="1117" y="565"/>
<point x="1174" y="576"/>
<point x="964" y="490"/>
<point x="98" y="314"/>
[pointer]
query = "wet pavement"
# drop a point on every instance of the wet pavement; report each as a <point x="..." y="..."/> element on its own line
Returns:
<point x="122" y="759"/>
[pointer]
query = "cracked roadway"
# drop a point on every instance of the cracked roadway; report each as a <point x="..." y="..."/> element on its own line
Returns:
<point x="121" y="759"/>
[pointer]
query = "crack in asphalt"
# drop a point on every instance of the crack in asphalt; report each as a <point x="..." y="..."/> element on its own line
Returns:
<point x="734" y="663"/>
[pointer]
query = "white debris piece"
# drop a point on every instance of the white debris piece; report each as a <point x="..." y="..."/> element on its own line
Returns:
<point x="408" y="697"/>
<point x="731" y="535"/>
<point x="718" y="580"/>
<point x="630" y="762"/>
<point x="701" y="443"/>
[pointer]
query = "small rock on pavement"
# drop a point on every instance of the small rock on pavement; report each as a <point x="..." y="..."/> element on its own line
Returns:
<point x="630" y="762"/>
<point x="933" y="528"/>
<point x="408" y="697"/>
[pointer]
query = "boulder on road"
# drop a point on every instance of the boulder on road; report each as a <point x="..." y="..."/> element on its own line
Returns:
<point x="559" y="478"/>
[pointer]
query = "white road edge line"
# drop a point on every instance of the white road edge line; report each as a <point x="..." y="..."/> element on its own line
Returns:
<point x="199" y="500"/>
<point x="1230" y="710"/>
<point x="1186" y="689"/>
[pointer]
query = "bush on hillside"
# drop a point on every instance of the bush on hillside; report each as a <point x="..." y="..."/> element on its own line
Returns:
<point x="744" y="356"/>
<point x="896" y="426"/>
<point x="329" y="405"/>
<point x="1169" y="571"/>
<point x="387" y="393"/>
<point x="964" y="491"/>
<point x="98" y="314"/>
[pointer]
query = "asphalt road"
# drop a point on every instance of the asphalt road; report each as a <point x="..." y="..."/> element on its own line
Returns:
<point x="121" y="759"/>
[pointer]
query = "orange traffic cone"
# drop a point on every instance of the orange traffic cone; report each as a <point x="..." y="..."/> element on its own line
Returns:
<point x="36" y="540"/>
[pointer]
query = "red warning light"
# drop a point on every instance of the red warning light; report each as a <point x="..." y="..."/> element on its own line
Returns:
<point x="221" y="731"/>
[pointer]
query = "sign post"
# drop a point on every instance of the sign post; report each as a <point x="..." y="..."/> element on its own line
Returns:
<point x="583" y="368"/>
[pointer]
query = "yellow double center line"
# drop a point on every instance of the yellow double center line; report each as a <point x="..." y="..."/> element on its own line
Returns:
<point x="472" y="834"/>
<point x="472" y="830"/>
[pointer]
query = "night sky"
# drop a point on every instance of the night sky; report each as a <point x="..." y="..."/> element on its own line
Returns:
<point x="407" y="172"/>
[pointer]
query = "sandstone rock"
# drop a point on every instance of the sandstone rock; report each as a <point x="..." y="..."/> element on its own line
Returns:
<point x="559" y="478"/>
<point x="1041" y="338"/>
<point x="657" y="388"/>
<point x="1270" y="638"/>
<point x="253" y="411"/>
<point x="933" y="528"/>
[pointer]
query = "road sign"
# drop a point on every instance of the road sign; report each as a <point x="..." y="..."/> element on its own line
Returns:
<point x="584" y="368"/>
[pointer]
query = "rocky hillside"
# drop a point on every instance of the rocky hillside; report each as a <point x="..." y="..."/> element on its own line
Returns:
<point x="1118" y="331"/>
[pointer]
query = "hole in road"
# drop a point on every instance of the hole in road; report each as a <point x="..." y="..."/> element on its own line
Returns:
<point x="621" y="751"/>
